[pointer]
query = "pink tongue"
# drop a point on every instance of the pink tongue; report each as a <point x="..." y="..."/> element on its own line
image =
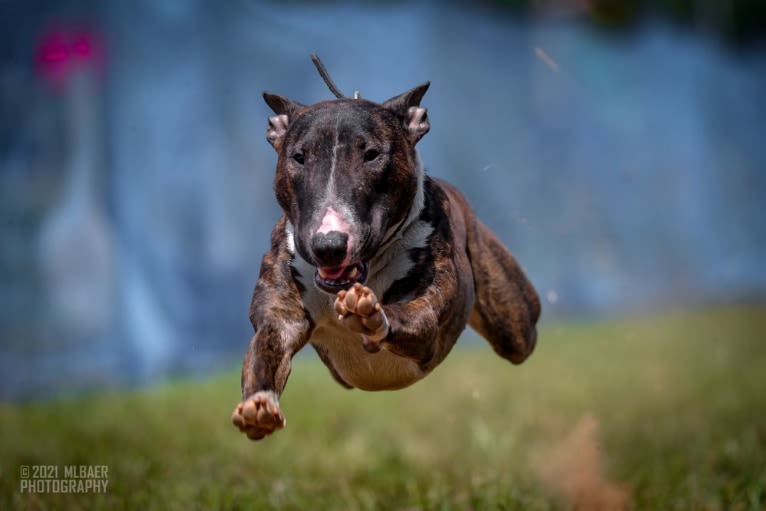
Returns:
<point x="331" y="273"/>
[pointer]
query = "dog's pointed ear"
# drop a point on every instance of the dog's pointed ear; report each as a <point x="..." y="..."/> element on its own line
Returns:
<point x="407" y="107"/>
<point x="278" y="124"/>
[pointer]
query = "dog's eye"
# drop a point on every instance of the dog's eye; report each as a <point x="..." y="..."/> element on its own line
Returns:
<point x="298" y="157"/>
<point x="370" y="154"/>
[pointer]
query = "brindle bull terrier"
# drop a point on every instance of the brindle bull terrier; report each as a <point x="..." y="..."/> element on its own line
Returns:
<point x="375" y="264"/>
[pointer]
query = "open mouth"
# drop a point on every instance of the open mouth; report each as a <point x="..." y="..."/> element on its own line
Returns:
<point x="332" y="280"/>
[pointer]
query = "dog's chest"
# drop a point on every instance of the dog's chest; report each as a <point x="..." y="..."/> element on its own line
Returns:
<point x="342" y="349"/>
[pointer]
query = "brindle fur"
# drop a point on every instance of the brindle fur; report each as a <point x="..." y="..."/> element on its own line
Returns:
<point x="458" y="274"/>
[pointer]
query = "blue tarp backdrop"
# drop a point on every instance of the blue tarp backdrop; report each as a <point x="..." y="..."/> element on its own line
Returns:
<point x="626" y="169"/>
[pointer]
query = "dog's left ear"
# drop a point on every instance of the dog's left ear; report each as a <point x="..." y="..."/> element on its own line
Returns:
<point x="407" y="107"/>
<point x="278" y="124"/>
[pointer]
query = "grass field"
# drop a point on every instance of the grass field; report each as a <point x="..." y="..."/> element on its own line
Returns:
<point x="660" y="413"/>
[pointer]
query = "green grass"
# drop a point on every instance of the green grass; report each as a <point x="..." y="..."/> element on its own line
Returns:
<point x="668" y="412"/>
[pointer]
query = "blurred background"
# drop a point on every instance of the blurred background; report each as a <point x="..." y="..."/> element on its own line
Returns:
<point x="618" y="148"/>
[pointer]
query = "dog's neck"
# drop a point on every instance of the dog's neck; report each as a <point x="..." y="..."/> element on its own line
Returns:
<point x="395" y="232"/>
<point x="393" y="261"/>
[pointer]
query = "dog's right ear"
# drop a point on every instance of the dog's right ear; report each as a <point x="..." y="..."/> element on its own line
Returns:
<point x="278" y="124"/>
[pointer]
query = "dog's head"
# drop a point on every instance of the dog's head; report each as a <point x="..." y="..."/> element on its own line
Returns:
<point x="347" y="177"/>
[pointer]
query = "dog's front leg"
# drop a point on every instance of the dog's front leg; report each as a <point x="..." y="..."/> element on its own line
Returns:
<point x="359" y="310"/>
<point x="421" y="329"/>
<point x="264" y="374"/>
<point x="281" y="329"/>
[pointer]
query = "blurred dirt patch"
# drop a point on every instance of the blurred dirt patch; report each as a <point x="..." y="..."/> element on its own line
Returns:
<point x="572" y="469"/>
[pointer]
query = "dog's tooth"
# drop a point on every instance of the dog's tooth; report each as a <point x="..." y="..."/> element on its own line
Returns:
<point x="354" y="273"/>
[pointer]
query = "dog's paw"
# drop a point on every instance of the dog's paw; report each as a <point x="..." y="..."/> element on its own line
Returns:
<point x="359" y="310"/>
<point x="258" y="415"/>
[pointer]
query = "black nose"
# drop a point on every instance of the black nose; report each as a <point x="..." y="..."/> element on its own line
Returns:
<point x="329" y="248"/>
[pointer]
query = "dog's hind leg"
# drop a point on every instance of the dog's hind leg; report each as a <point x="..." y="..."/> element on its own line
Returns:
<point x="507" y="307"/>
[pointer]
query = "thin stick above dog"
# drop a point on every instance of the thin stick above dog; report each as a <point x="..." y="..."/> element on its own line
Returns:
<point x="326" y="77"/>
